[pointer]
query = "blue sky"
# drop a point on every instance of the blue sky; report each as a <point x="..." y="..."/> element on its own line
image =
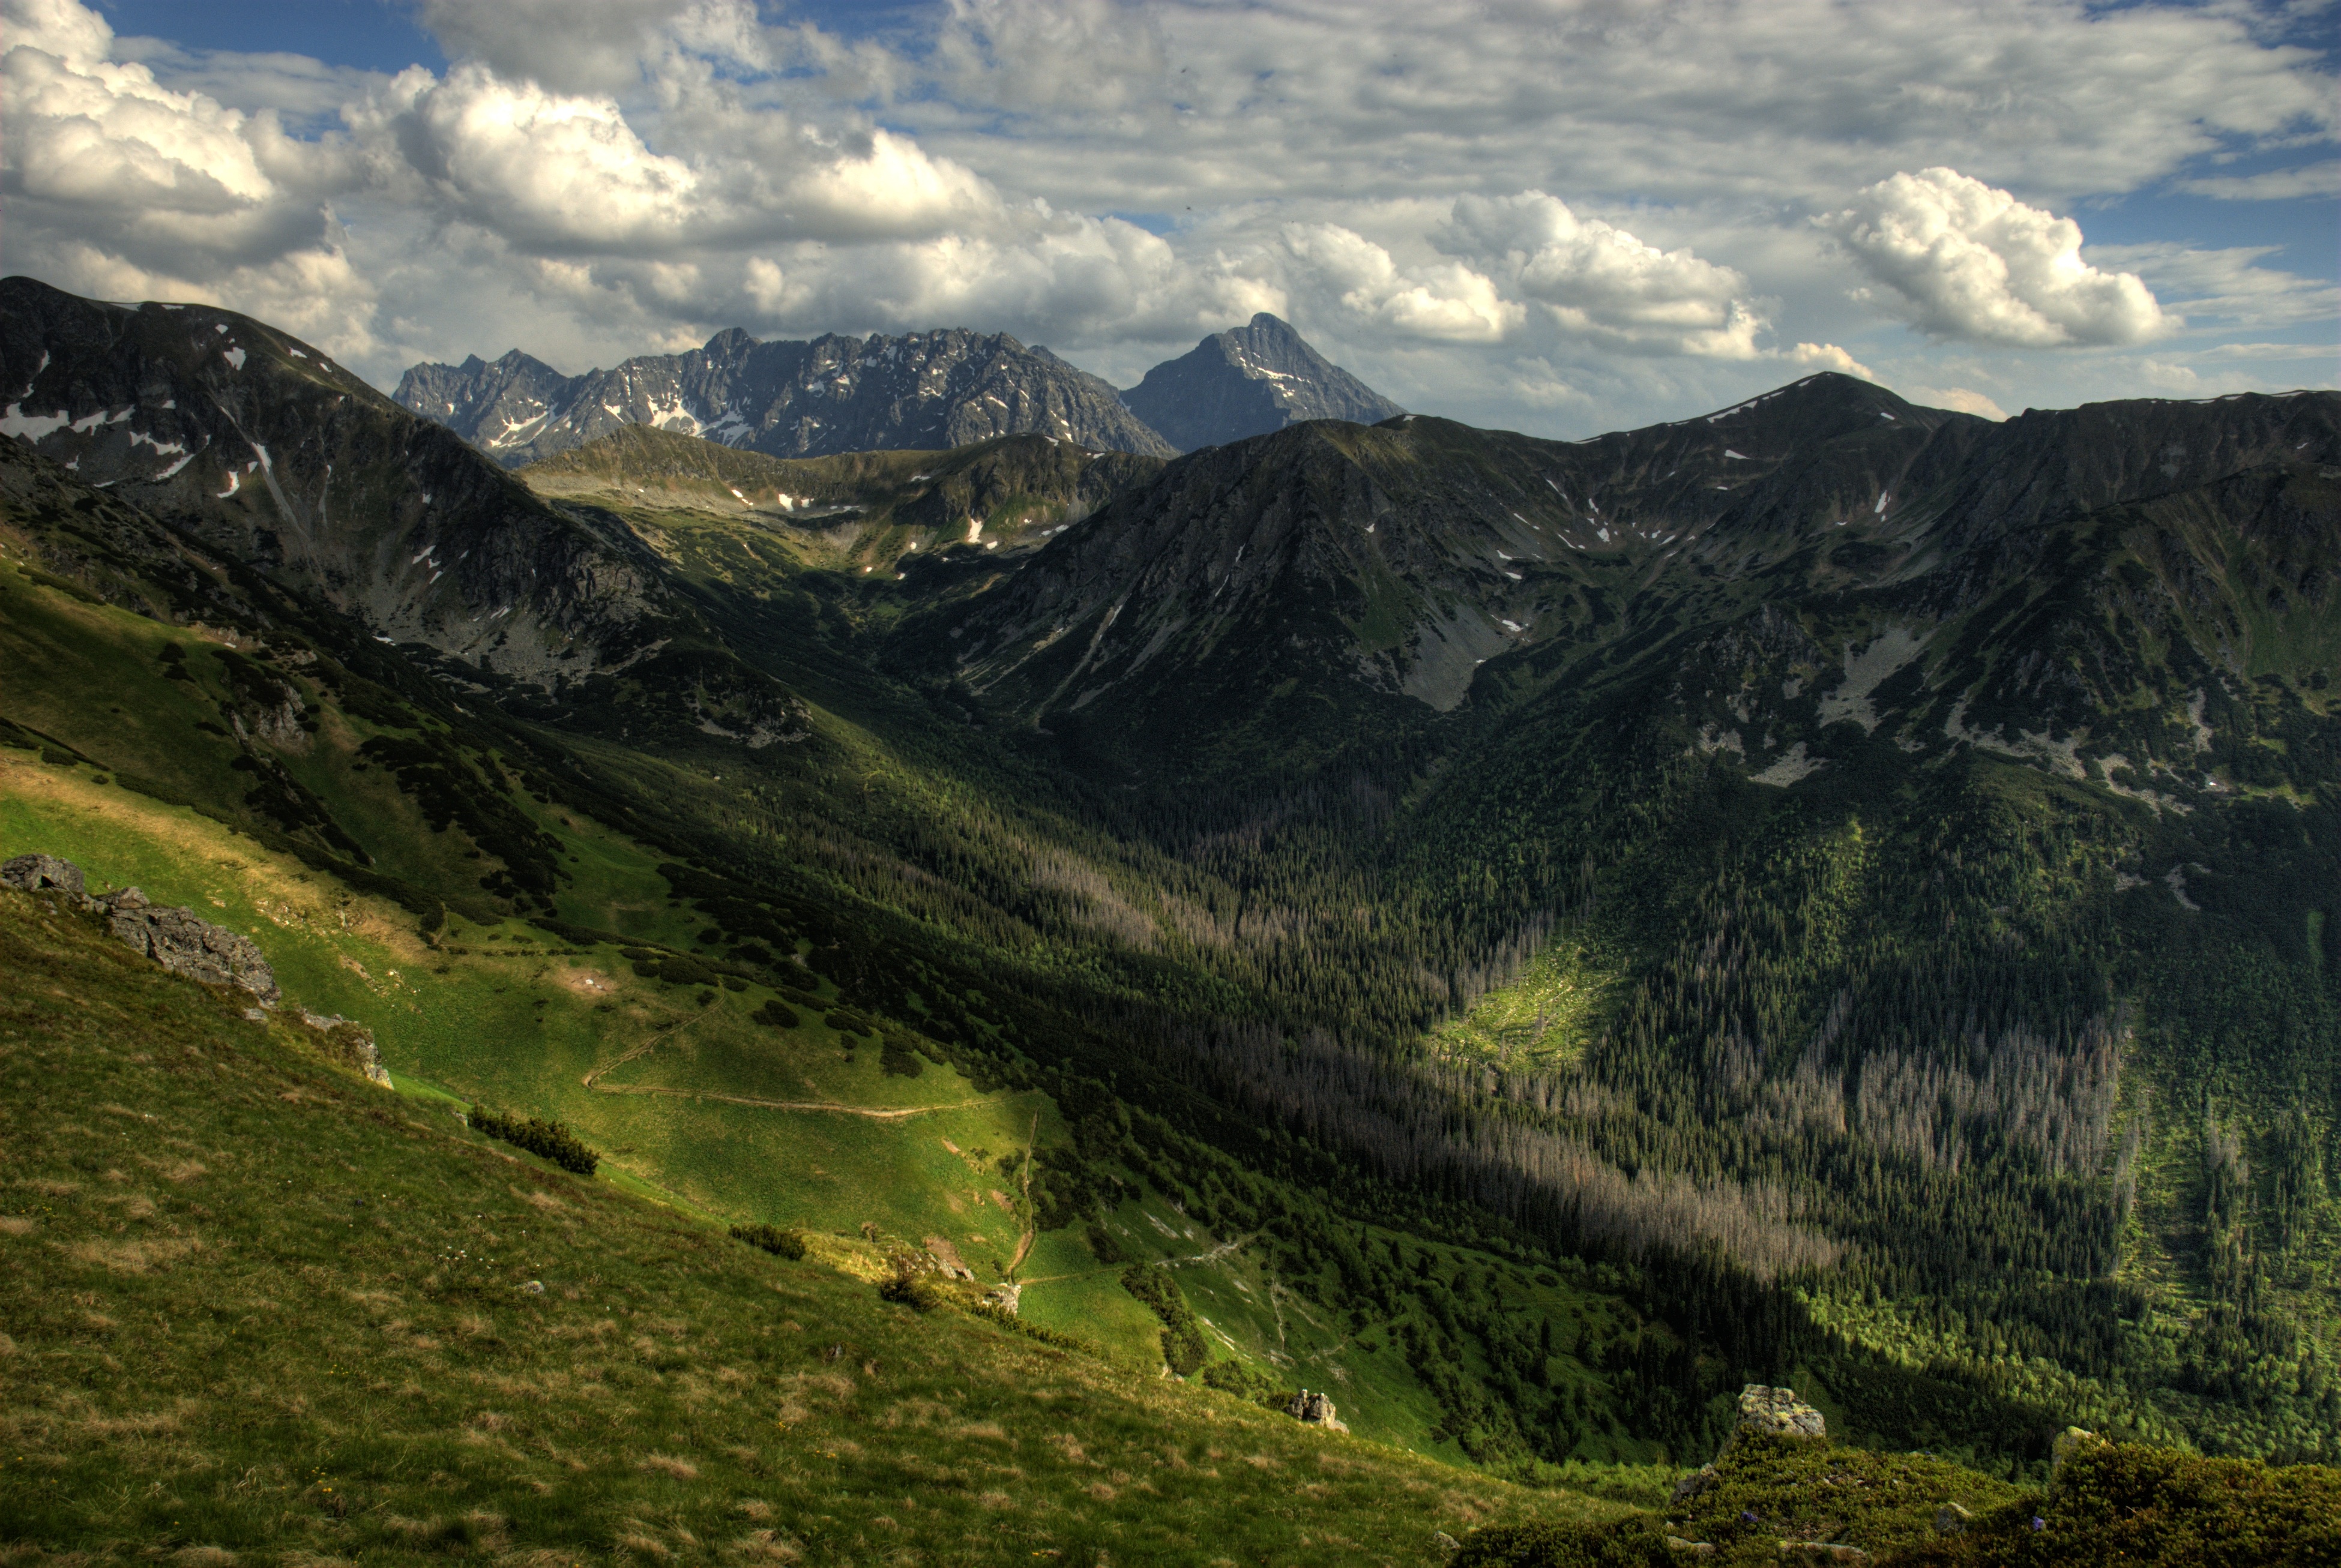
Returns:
<point x="1555" y="215"/>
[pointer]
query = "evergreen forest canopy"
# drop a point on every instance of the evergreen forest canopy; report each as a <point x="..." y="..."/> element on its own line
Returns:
<point x="1834" y="892"/>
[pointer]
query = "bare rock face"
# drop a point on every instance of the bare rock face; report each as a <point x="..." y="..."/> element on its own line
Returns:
<point x="1250" y="381"/>
<point x="1779" y="1411"/>
<point x="1314" y="1410"/>
<point x="928" y="391"/>
<point x="179" y="939"/>
<point x="41" y="874"/>
<point x="186" y="944"/>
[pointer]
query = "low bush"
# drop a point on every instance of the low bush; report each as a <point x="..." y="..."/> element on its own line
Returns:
<point x="1635" y="1543"/>
<point x="897" y="1057"/>
<point x="776" y="1014"/>
<point x="788" y="1244"/>
<point x="1184" y="1349"/>
<point x="1247" y="1382"/>
<point x="549" y="1140"/>
<point x="912" y="1287"/>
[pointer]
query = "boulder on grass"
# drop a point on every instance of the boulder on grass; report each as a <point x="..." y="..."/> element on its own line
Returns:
<point x="42" y="874"/>
<point x="1779" y="1412"/>
<point x="186" y="944"/>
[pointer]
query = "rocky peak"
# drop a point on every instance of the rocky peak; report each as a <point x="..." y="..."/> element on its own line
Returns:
<point x="1249" y="380"/>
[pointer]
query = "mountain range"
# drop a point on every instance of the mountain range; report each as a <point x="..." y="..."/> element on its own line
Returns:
<point x="1526" y="936"/>
<point x="926" y="391"/>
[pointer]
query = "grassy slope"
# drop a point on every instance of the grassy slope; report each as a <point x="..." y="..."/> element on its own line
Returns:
<point x="253" y="1303"/>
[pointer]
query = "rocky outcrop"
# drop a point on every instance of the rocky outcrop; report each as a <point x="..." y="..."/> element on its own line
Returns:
<point x="1250" y="381"/>
<point x="350" y="1044"/>
<point x="178" y="939"/>
<point x="186" y="944"/>
<point x="42" y="874"/>
<point x="1779" y="1412"/>
<point x="926" y="391"/>
<point x="1775" y="1412"/>
<point x="1314" y="1410"/>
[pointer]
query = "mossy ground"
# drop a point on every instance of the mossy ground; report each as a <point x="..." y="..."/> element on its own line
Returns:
<point x="254" y="1305"/>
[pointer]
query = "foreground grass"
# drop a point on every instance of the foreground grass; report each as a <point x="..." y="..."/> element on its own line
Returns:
<point x="254" y="1305"/>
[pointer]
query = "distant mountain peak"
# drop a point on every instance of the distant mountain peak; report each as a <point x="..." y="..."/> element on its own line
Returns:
<point x="1249" y="380"/>
<point x="789" y="399"/>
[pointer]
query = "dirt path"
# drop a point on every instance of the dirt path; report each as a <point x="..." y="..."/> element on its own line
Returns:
<point x="631" y="1052"/>
<point x="1024" y="1192"/>
<point x="875" y="1113"/>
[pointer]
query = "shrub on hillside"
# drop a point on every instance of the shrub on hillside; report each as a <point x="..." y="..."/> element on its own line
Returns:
<point x="1184" y="1348"/>
<point x="788" y="1244"/>
<point x="1635" y="1543"/>
<point x="776" y="1014"/>
<point x="549" y="1139"/>
<point x="897" y="1057"/>
<point x="1246" y="1382"/>
<point x="2131" y="1503"/>
<point x="910" y="1287"/>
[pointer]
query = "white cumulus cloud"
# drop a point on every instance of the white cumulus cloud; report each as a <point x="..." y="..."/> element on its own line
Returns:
<point x="1441" y="300"/>
<point x="1967" y="261"/>
<point x="119" y="186"/>
<point x="1598" y="280"/>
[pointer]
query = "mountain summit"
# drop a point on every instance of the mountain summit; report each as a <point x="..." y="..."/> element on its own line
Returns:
<point x="1249" y="380"/>
<point x="926" y="391"/>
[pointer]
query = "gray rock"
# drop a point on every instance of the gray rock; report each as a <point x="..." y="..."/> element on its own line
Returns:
<point x="1314" y="1410"/>
<point x="1951" y="1519"/>
<point x="186" y="944"/>
<point x="1779" y="1410"/>
<point x="41" y="874"/>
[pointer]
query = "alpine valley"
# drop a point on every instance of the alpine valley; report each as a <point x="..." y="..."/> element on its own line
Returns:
<point x="940" y="944"/>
